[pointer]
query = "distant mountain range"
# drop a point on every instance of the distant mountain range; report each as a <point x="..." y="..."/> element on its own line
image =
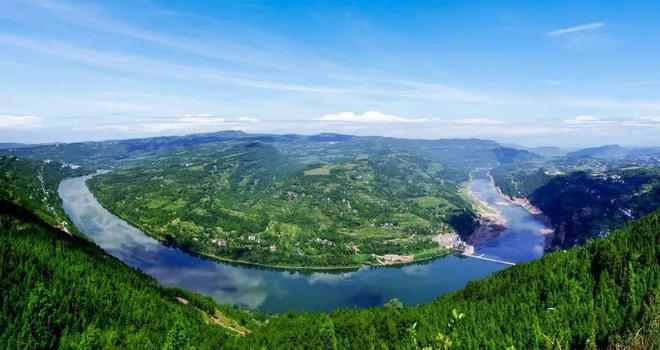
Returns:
<point x="600" y="152"/>
<point x="614" y="151"/>
<point x="11" y="145"/>
<point x="167" y="142"/>
<point x="544" y="151"/>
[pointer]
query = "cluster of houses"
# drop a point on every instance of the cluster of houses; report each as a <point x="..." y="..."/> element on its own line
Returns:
<point x="464" y="248"/>
<point x="323" y="241"/>
<point x="221" y="242"/>
<point x="453" y="241"/>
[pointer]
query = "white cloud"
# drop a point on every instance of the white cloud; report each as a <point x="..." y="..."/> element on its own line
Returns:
<point x="189" y="122"/>
<point x="648" y="118"/>
<point x="576" y="29"/>
<point x="19" y="121"/>
<point x="368" y="117"/>
<point x="641" y="121"/>
<point x="246" y="118"/>
<point x="608" y="103"/>
<point x="585" y="119"/>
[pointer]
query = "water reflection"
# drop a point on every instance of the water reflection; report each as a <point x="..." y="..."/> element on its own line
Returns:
<point x="523" y="240"/>
<point x="259" y="288"/>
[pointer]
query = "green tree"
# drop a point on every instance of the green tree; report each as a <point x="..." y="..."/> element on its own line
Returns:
<point x="327" y="335"/>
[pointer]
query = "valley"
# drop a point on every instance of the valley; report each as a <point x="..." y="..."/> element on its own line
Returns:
<point x="275" y="290"/>
<point x="254" y="203"/>
<point x="239" y="175"/>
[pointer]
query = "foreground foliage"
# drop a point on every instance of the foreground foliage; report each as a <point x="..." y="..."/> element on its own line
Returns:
<point x="58" y="290"/>
<point x="592" y="296"/>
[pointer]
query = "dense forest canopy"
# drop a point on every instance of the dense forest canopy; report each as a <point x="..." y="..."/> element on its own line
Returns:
<point x="60" y="290"/>
<point x="251" y="202"/>
<point x="584" y="199"/>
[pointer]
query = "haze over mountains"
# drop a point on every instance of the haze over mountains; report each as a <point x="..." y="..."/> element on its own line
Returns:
<point x="335" y="175"/>
<point x="62" y="291"/>
<point x="163" y="142"/>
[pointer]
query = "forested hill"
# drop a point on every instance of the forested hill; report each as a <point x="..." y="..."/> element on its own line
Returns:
<point x="584" y="205"/>
<point x="33" y="185"/>
<point x="59" y="290"/>
<point x="596" y="296"/>
<point x="327" y="148"/>
<point x="252" y="202"/>
<point x="62" y="291"/>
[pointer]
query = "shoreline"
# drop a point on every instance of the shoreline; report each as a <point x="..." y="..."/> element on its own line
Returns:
<point x="269" y="266"/>
<point x="300" y="268"/>
<point x="279" y="267"/>
<point x="536" y="213"/>
<point x="492" y="223"/>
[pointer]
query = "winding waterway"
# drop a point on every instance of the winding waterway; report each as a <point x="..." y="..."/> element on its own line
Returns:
<point x="524" y="237"/>
<point x="280" y="291"/>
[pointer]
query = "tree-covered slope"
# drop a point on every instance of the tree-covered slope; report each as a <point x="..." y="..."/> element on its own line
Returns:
<point x="252" y="202"/>
<point x="585" y="205"/>
<point x="33" y="185"/>
<point x="596" y="296"/>
<point x="58" y="290"/>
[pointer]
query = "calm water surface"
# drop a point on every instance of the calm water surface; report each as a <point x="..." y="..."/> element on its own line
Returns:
<point x="523" y="239"/>
<point x="274" y="290"/>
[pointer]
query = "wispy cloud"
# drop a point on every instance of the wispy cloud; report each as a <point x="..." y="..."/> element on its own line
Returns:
<point x="368" y="117"/>
<point x="153" y="67"/>
<point x="94" y="18"/>
<point x="638" y="121"/>
<point x="186" y="123"/>
<point x="477" y="121"/>
<point x="442" y="92"/>
<point x="19" y="121"/>
<point x="576" y="29"/>
<point x="246" y="118"/>
<point x="648" y="119"/>
<point x="585" y="119"/>
<point x="613" y="104"/>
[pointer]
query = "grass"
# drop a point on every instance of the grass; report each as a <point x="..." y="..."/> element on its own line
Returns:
<point x="323" y="170"/>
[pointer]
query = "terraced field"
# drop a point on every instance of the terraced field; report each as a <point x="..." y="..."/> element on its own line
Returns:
<point x="254" y="203"/>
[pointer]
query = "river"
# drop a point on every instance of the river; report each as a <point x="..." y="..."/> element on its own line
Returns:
<point x="523" y="239"/>
<point x="276" y="290"/>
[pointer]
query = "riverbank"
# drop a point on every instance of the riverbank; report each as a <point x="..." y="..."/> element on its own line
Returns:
<point x="406" y="260"/>
<point x="549" y="233"/>
<point x="395" y="262"/>
<point x="491" y="221"/>
<point x="270" y="289"/>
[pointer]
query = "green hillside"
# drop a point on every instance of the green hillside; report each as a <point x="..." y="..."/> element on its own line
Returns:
<point x="584" y="205"/>
<point x="594" y="296"/>
<point x="63" y="291"/>
<point x="59" y="290"/>
<point x="252" y="202"/>
<point x="33" y="185"/>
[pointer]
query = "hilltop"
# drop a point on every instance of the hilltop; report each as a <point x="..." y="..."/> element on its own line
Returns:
<point x="63" y="291"/>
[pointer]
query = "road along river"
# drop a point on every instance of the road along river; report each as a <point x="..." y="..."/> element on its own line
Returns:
<point x="267" y="289"/>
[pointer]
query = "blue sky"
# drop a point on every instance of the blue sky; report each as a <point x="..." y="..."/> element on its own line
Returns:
<point x="533" y="72"/>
